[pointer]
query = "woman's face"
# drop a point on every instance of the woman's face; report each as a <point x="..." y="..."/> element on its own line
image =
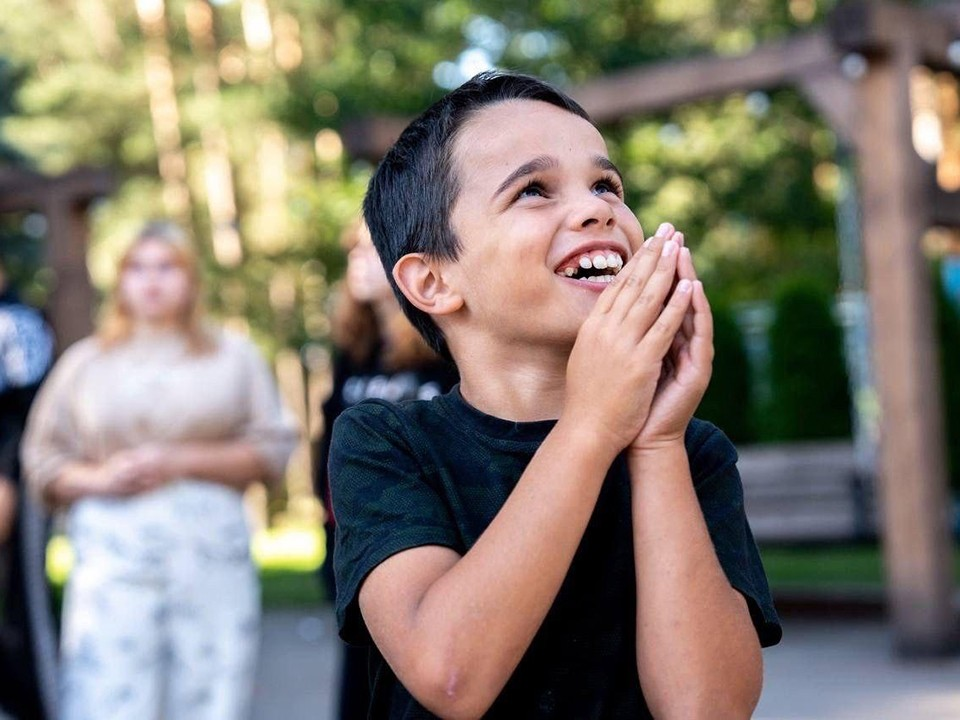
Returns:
<point x="366" y="279"/>
<point x="154" y="286"/>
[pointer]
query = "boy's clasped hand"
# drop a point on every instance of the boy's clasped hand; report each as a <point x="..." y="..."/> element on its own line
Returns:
<point x="643" y="357"/>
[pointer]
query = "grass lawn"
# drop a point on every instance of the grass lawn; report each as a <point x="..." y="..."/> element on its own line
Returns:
<point x="288" y="559"/>
<point x="825" y="566"/>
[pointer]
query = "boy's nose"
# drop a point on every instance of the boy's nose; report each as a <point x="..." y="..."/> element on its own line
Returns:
<point x="593" y="212"/>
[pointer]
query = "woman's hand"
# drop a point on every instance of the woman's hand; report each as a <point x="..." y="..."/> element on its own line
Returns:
<point x="137" y="470"/>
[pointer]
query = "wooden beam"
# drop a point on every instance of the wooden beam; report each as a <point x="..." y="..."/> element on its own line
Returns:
<point x="64" y="201"/>
<point x="23" y="190"/>
<point x="895" y="191"/>
<point x="370" y="138"/>
<point x="875" y="28"/>
<point x="834" y="97"/>
<point x="660" y="86"/>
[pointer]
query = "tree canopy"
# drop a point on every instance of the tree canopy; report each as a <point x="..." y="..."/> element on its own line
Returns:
<point x="228" y="115"/>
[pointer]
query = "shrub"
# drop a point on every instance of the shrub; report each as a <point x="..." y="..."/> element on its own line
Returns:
<point x="810" y="395"/>
<point x="728" y="402"/>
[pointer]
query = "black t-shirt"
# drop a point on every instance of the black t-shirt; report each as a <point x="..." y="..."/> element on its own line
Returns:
<point x="369" y="380"/>
<point x="437" y="472"/>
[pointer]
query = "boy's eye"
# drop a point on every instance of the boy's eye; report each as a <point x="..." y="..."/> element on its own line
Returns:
<point x="531" y="189"/>
<point x="608" y="185"/>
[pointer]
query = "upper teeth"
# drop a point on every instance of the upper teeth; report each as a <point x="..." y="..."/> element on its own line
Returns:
<point x="600" y="261"/>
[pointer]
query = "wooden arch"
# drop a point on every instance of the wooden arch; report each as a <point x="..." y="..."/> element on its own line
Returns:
<point x="63" y="201"/>
<point x="899" y="201"/>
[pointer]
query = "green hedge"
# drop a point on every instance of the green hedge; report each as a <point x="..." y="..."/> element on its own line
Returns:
<point x="810" y="396"/>
<point x="728" y="402"/>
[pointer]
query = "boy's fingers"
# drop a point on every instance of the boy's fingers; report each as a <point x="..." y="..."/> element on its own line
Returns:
<point x="701" y="342"/>
<point x="662" y="333"/>
<point x="639" y="305"/>
<point x="634" y="273"/>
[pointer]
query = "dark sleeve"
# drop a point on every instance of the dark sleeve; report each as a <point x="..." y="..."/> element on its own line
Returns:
<point x="14" y="408"/>
<point x="713" y="464"/>
<point x="384" y="503"/>
<point x="330" y="410"/>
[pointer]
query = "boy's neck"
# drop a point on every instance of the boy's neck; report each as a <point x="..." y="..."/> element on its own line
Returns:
<point x="512" y="385"/>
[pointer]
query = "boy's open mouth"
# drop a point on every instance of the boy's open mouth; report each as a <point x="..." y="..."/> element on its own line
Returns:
<point x="599" y="266"/>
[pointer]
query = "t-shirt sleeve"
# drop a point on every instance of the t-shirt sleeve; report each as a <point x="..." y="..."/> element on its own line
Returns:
<point x="384" y="503"/>
<point x="268" y="426"/>
<point x="713" y="463"/>
<point x="52" y="439"/>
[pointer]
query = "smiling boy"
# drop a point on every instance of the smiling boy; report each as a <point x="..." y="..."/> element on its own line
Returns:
<point x="557" y="537"/>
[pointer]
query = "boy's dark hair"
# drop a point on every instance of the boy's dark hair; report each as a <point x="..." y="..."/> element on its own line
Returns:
<point x="408" y="203"/>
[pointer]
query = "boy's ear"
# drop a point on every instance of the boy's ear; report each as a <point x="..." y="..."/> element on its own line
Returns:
<point x="422" y="282"/>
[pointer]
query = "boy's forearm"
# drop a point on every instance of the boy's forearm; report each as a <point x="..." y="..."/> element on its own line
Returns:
<point x="697" y="651"/>
<point x="479" y="618"/>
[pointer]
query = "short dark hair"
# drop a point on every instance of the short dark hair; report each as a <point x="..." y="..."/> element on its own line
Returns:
<point x="408" y="202"/>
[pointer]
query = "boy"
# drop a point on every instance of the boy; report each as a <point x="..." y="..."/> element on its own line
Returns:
<point x="555" y="538"/>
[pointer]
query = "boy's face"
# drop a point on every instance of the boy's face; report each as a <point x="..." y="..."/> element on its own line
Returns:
<point x="539" y="212"/>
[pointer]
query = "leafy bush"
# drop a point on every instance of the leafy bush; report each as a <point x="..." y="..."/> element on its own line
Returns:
<point x="728" y="402"/>
<point x="810" y="396"/>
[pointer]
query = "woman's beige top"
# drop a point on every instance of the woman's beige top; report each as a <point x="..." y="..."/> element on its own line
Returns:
<point x="152" y="389"/>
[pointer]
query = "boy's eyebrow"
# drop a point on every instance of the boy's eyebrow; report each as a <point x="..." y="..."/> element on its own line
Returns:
<point x="538" y="164"/>
<point x="546" y="162"/>
<point x="605" y="163"/>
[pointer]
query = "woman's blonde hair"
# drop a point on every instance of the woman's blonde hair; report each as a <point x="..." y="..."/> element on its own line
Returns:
<point x="116" y="325"/>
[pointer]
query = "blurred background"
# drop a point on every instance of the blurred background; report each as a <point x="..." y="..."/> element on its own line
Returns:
<point x="257" y="123"/>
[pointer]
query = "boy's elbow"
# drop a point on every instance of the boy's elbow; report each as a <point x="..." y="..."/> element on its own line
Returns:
<point x="450" y="690"/>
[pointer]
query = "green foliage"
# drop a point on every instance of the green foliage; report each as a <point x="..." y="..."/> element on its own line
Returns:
<point x="728" y="402"/>
<point x="736" y="174"/>
<point x="810" y="390"/>
<point x="948" y="328"/>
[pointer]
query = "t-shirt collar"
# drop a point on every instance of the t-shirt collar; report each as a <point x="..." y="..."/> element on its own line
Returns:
<point x="498" y="428"/>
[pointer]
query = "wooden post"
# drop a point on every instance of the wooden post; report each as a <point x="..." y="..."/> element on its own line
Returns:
<point x="63" y="201"/>
<point x="70" y="306"/>
<point x="896" y="208"/>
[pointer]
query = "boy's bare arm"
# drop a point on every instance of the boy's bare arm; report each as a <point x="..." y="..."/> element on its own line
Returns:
<point x="698" y="655"/>
<point x="454" y="628"/>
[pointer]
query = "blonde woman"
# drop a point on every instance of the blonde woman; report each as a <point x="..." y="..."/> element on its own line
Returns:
<point x="148" y="433"/>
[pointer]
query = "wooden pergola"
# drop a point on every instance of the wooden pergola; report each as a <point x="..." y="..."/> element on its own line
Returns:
<point x="870" y="111"/>
<point x="899" y="201"/>
<point x="63" y="201"/>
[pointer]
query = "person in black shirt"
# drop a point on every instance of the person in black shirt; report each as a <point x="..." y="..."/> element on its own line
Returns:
<point x="27" y="643"/>
<point x="376" y="354"/>
<point x="556" y="537"/>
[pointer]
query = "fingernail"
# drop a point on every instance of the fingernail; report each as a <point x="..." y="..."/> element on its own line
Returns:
<point x="646" y="243"/>
<point x="684" y="286"/>
<point x="664" y="229"/>
<point x="679" y="238"/>
<point x="685" y="250"/>
<point x="669" y="248"/>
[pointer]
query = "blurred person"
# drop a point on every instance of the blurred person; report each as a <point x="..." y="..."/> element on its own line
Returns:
<point x="27" y="644"/>
<point x="377" y="354"/>
<point x="148" y="433"/>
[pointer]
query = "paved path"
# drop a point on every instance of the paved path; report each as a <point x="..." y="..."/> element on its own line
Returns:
<point x="826" y="671"/>
<point x="821" y="671"/>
